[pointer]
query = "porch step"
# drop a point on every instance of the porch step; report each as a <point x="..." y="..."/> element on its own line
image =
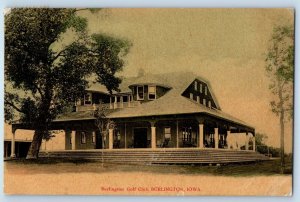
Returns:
<point x="181" y="156"/>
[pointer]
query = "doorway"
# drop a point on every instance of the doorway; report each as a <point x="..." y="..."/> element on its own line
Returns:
<point x="140" y="138"/>
<point x="98" y="140"/>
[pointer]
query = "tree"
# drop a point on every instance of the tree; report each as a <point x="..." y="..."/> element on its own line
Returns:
<point x="103" y="123"/>
<point x="280" y="69"/>
<point x="260" y="138"/>
<point x="42" y="76"/>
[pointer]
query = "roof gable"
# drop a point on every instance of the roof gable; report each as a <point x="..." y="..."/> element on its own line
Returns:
<point x="200" y="87"/>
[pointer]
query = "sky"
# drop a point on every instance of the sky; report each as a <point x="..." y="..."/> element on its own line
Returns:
<point x="226" y="46"/>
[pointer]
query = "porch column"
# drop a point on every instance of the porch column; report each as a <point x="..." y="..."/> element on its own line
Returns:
<point x="216" y="137"/>
<point x="247" y="142"/>
<point x="128" y="100"/>
<point x="13" y="152"/>
<point x="253" y="142"/>
<point x="115" y="102"/>
<point x="121" y="102"/>
<point x="67" y="139"/>
<point x="110" y="103"/>
<point x="228" y="134"/>
<point x="73" y="140"/>
<point x="177" y="134"/>
<point x="110" y="138"/>
<point x="201" y="134"/>
<point x="153" y="135"/>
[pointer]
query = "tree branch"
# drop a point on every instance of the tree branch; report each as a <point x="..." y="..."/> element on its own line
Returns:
<point x="13" y="106"/>
<point x="58" y="55"/>
<point x="39" y="90"/>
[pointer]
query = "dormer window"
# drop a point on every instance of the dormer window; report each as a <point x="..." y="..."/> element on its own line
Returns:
<point x="200" y="87"/>
<point x="209" y="104"/>
<point x="191" y="96"/>
<point x="195" y="85"/>
<point x="152" y="92"/>
<point x="205" y="90"/>
<point x="88" y="98"/>
<point x="140" y="92"/>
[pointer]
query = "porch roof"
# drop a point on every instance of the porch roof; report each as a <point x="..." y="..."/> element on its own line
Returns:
<point x="172" y="104"/>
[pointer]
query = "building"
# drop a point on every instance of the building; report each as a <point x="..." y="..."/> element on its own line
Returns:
<point x="175" y="111"/>
<point x="22" y="142"/>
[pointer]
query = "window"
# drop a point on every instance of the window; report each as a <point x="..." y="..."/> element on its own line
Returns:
<point x="200" y="87"/>
<point x="140" y="92"/>
<point x="209" y="104"/>
<point x="196" y="85"/>
<point x="167" y="133"/>
<point x="205" y="90"/>
<point x="191" y="96"/>
<point x="93" y="137"/>
<point x="83" y="137"/>
<point x="151" y="92"/>
<point x="88" y="98"/>
<point x="204" y="102"/>
<point x="187" y="134"/>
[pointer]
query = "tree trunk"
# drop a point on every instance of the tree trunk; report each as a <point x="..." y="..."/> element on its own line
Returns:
<point x="34" y="148"/>
<point x="281" y="121"/>
<point x="282" y="162"/>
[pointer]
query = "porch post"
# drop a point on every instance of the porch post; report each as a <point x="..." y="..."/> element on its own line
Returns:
<point x="13" y="152"/>
<point x="67" y="139"/>
<point x="228" y="134"/>
<point x="201" y="134"/>
<point x="73" y="140"/>
<point x="153" y="135"/>
<point x="110" y="138"/>
<point x="121" y="102"/>
<point x="247" y="142"/>
<point x="216" y="137"/>
<point x="115" y="102"/>
<point x="110" y="103"/>
<point x="128" y="100"/>
<point x="253" y="142"/>
<point x="177" y="134"/>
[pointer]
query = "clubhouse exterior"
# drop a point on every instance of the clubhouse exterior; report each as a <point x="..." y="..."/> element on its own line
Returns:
<point x="176" y="111"/>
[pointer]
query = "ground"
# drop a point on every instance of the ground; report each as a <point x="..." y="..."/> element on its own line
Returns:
<point x="85" y="177"/>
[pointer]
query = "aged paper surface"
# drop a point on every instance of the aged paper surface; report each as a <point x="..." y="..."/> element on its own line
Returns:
<point x="194" y="96"/>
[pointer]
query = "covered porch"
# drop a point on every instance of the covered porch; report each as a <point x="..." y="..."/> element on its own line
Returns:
<point x="195" y="131"/>
<point x="180" y="131"/>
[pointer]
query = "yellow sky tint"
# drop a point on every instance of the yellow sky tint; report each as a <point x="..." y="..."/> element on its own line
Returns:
<point x="226" y="46"/>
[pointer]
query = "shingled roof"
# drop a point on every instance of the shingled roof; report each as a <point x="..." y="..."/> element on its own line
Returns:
<point x="177" y="81"/>
<point x="170" y="104"/>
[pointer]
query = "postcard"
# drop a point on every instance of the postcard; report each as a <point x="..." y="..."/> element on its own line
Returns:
<point x="149" y="101"/>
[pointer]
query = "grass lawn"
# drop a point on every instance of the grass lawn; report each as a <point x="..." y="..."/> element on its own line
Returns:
<point x="55" y="176"/>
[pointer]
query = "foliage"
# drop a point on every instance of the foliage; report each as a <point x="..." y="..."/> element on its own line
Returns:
<point x="280" y="69"/>
<point x="45" y="79"/>
<point x="260" y="138"/>
<point x="103" y="123"/>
